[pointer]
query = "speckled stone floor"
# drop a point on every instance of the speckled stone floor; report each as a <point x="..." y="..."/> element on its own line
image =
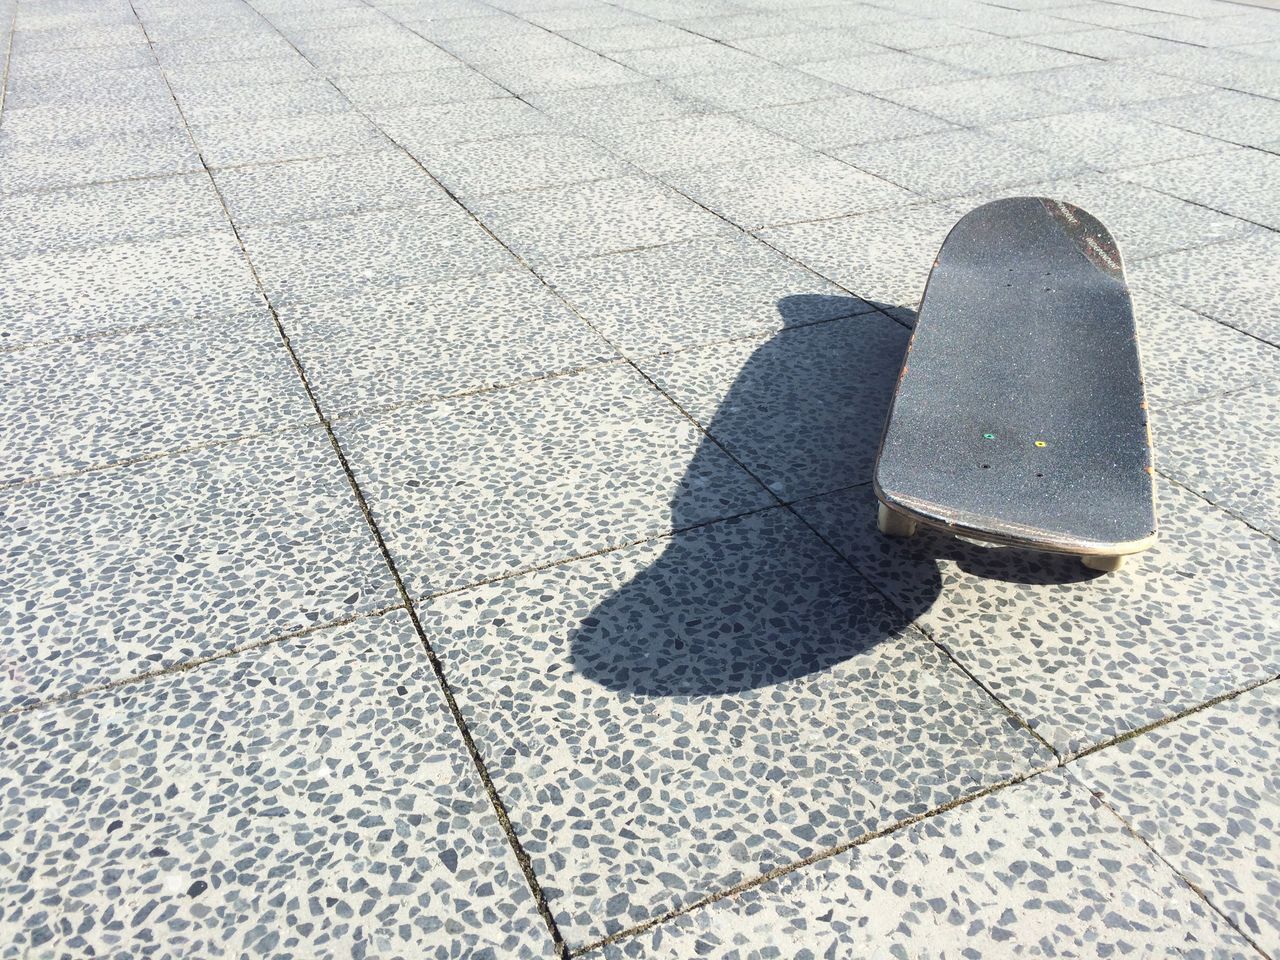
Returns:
<point x="434" y="503"/>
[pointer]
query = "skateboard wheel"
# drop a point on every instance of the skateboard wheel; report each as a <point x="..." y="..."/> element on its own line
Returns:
<point x="1105" y="564"/>
<point x="894" y="524"/>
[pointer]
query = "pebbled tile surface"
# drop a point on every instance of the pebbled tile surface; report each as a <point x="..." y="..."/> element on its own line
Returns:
<point x="604" y="303"/>
<point x="1225" y="448"/>
<point x="696" y="292"/>
<point x="674" y="718"/>
<point x="1205" y="793"/>
<point x="1085" y="658"/>
<point x="105" y="400"/>
<point x="801" y="409"/>
<point x="483" y="486"/>
<point x="114" y="574"/>
<point x="435" y="340"/>
<point x="1038" y="865"/>
<point x="226" y="808"/>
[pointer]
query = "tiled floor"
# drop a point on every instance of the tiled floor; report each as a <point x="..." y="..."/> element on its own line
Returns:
<point x="435" y="512"/>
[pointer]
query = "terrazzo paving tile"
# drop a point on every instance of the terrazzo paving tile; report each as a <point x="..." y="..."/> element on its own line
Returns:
<point x="39" y="126"/>
<point x="764" y="85"/>
<point x="521" y="163"/>
<point x="422" y="127"/>
<point x="786" y="189"/>
<point x="437" y="340"/>
<point x="983" y="100"/>
<point x="1113" y="84"/>
<point x="1107" y="140"/>
<point x="1187" y="357"/>
<point x="806" y="46"/>
<point x="685" y="294"/>
<point x="336" y="256"/>
<point x="72" y="37"/>
<point x="1239" y="71"/>
<point x="108" y="213"/>
<point x="313" y="798"/>
<point x="482" y="486"/>
<point x="122" y="572"/>
<point x="919" y="34"/>
<point x="887" y="70"/>
<point x="486" y="21"/>
<point x="667" y="720"/>
<point x="1144" y="222"/>
<point x="154" y="153"/>
<point x="52" y="62"/>
<point x="844" y="122"/>
<point x="307" y="189"/>
<point x="998" y="57"/>
<point x="486" y="51"/>
<point x="883" y="257"/>
<point x="734" y="26"/>
<point x="262" y="101"/>
<point x="620" y="105"/>
<point x="236" y="143"/>
<point x="341" y="61"/>
<point x="1234" y="181"/>
<point x="685" y="61"/>
<point x="1232" y="282"/>
<point x="954" y="162"/>
<point x="1239" y="118"/>
<point x="252" y="46"/>
<point x="225" y="75"/>
<point x="54" y="86"/>
<point x="1226" y="449"/>
<point x="853" y="16"/>
<point x="1204" y="792"/>
<point x="1107" y="43"/>
<point x="582" y="17"/>
<point x="583" y="69"/>
<point x="1113" y="15"/>
<point x="98" y="402"/>
<point x="1083" y="658"/>
<point x="803" y="409"/>
<point x="695" y="140"/>
<point x="452" y="85"/>
<point x="1218" y="32"/>
<point x="1037" y="867"/>
<point x="73" y="292"/>
<point x="634" y="36"/>
<point x="587" y="219"/>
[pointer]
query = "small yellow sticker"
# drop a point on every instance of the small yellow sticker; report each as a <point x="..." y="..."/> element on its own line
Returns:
<point x="1041" y="443"/>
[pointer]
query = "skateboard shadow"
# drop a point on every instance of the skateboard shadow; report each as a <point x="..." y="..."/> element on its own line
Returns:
<point x="743" y="604"/>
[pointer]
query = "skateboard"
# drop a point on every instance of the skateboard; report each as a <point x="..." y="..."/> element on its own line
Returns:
<point x="1020" y="417"/>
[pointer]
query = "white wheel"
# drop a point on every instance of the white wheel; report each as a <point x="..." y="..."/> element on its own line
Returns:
<point x="894" y="524"/>
<point x="1105" y="564"/>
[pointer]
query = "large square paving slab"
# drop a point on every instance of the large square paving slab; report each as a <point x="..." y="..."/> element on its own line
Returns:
<point x="668" y="720"/>
<point x="433" y="340"/>
<point x="802" y="409"/>
<point x="110" y="399"/>
<point x="1204" y="791"/>
<point x="312" y="798"/>
<point x="1082" y="658"/>
<point x="1040" y="865"/>
<point x="478" y="487"/>
<point x="696" y="292"/>
<point x="123" y="572"/>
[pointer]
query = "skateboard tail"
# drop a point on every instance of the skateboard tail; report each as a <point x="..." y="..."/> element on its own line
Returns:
<point x="1006" y="533"/>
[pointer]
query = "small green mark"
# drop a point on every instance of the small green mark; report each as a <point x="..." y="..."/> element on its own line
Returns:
<point x="988" y="436"/>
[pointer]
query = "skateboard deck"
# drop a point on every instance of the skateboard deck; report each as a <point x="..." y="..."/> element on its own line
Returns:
<point x="1020" y="416"/>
